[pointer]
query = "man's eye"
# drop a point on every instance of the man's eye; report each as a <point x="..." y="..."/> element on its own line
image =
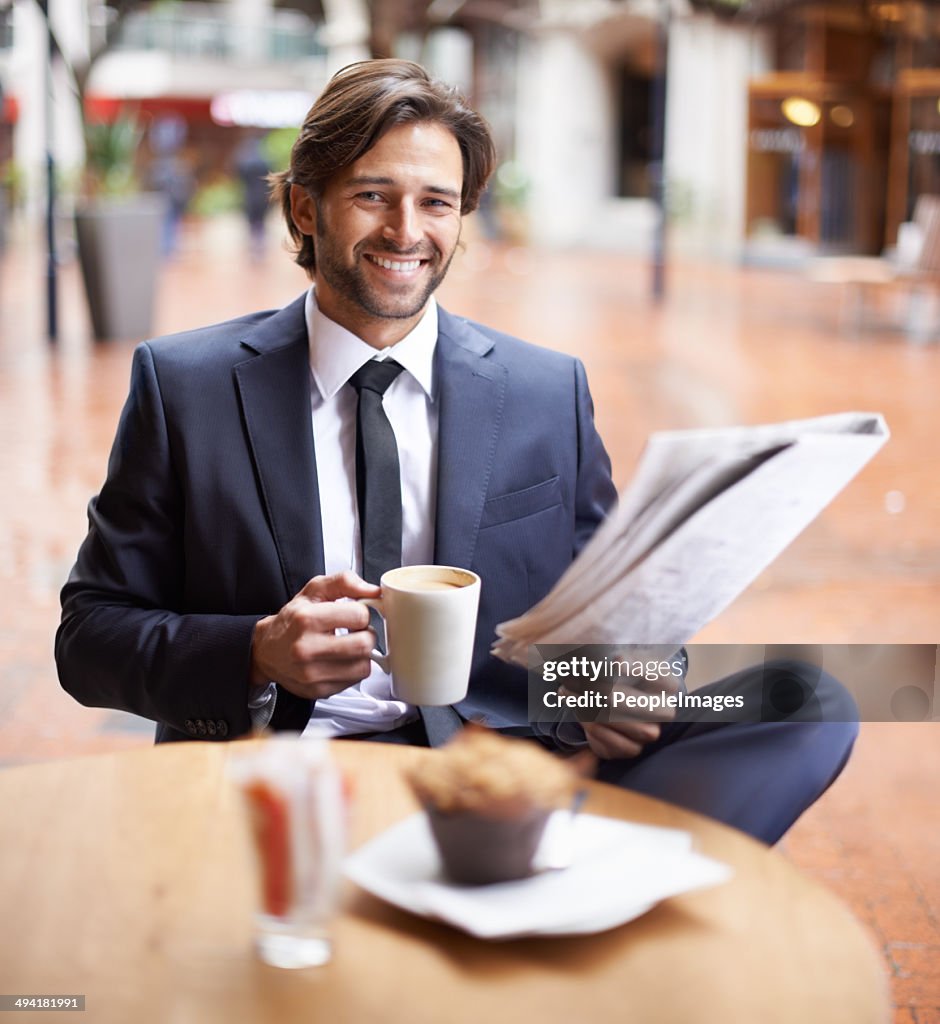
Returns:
<point x="370" y="197"/>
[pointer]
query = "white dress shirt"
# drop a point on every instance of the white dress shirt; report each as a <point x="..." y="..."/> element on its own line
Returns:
<point x="335" y="355"/>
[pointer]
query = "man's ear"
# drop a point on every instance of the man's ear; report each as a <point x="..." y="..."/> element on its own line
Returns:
<point x="303" y="210"/>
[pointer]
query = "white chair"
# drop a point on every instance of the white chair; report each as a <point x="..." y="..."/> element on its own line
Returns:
<point x="913" y="268"/>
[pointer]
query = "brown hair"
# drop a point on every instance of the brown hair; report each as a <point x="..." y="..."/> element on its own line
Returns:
<point x="361" y="103"/>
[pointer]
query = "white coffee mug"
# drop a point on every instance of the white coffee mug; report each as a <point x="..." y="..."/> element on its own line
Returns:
<point x="430" y="614"/>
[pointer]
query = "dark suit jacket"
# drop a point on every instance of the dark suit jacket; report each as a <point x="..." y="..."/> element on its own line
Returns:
<point x="210" y="515"/>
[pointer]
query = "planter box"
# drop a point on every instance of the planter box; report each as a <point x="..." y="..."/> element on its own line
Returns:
<point x="119" y="251"/>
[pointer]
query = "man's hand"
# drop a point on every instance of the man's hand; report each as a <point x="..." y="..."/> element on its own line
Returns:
<point x="612" y="740"/>
<point x="298" y="647"/>
<point x="626" y="736"/>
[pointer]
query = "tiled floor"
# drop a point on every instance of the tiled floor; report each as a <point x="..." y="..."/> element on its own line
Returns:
<point x="874" y="840"/>
<point x="729" y="346"/>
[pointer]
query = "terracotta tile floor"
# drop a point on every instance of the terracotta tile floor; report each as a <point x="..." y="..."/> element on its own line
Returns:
<point x="728" y="346"/>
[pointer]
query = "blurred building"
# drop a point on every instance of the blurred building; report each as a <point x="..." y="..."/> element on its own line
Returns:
<point x="789" y="127"/>
<point x="844" y="129"/>
<point x="590" y="118"/>
<point x="212" y="68"/>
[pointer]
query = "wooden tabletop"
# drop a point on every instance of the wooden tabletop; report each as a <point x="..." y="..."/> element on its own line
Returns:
<point x="126" y="878"/>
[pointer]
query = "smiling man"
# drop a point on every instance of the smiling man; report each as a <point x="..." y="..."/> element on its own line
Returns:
<point x="386" y="230"/>
<point x="241" y="510"/>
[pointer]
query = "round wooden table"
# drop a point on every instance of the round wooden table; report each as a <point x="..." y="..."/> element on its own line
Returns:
<point x="126" y="878"/>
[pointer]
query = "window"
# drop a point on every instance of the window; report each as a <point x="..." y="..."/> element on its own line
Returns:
<point x="635" y="134"/>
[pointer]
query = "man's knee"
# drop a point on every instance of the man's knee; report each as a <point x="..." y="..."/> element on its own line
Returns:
<point x="801" y="691"/>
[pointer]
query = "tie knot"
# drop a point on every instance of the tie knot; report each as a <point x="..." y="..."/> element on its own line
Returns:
<point x="375" y="375"/>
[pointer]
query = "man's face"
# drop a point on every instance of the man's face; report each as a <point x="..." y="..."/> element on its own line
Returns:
<point x="386" y="229"/>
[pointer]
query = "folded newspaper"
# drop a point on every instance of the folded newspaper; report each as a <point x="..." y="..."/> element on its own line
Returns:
<point x="707" y="511"/>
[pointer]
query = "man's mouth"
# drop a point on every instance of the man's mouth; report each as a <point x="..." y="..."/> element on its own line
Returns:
<point x="402" y="266"/>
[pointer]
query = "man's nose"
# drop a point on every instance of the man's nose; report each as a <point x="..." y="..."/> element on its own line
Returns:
<point x="402" y="226"/>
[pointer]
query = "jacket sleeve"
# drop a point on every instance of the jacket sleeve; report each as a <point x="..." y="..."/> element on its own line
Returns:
<point x="595" y="493"/>
<point x="123" y="641"/>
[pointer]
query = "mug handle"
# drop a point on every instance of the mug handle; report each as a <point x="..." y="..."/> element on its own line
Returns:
<point x="377" y="656"/>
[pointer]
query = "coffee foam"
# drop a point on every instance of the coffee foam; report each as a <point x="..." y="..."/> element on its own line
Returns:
<point x="429" y="578"/>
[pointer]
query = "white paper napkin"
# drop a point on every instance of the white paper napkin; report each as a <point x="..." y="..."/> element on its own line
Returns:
<point x="619" y="870"/>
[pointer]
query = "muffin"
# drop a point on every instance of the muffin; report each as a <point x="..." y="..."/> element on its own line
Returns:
<point x="488" y="798"/>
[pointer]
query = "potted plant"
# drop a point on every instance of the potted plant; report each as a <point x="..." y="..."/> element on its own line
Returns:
<point x="117" y="228"/>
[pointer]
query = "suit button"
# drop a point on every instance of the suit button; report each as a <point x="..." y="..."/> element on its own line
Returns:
<point x="200" y="727"/>
<point x="190" y="726"/>
<point x="222" y="727"/>
<point x="210" y="727"/>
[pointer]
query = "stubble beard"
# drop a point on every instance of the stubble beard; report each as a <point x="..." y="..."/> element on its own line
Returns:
<point x="350" y="282"/>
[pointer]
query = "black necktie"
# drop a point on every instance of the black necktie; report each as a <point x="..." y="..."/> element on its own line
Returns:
<point x="378" y="479"/>
<point x="378" y="488"/>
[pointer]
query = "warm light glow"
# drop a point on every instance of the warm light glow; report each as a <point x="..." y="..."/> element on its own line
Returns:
<point x="800" y="111"/>
<point x="842" y="116"/>
<point x="889" y="12"/>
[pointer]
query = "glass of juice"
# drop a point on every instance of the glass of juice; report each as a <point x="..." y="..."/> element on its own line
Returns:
<point x="295" y="810"/>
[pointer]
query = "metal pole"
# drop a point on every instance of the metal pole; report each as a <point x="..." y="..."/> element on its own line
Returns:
<point x="657" y="168"/>
<point x="52" y="305"/>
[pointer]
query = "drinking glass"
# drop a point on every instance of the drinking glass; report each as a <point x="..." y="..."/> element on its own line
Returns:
<point x="293" y="798"/>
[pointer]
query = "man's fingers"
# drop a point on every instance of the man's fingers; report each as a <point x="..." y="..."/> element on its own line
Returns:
<point x="312" y="647"/>
<point x="637" y="704"/>
<point x="620" y="739"/>
<point x="321" y="669"/>
<point x="299" y="647"/>
<point x="310" y="616"/>
<point x="607" y="744"/>
<point x="336" y="674"/>
<point x="340" y="584"/>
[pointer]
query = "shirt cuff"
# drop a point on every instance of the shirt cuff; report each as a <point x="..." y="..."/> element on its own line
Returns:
<point x="565" y="736"/>
<point x="261" y="702"/>
<point x="569" y="736"/>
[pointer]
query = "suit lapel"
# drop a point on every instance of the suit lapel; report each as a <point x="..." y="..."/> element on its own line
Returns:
<point x="471" y="393"/>
<point x="274" y="388"/>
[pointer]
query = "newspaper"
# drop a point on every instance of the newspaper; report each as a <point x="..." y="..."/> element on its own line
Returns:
<point x="706" y="513"/>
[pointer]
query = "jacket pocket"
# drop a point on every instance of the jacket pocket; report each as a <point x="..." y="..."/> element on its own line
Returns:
<point x="507" y="508"/>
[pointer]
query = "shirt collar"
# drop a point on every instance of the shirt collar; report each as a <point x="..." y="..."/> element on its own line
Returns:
<point x="336" y="354"/>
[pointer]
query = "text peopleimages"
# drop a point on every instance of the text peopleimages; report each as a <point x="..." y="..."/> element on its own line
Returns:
<point x="646" y="701"/>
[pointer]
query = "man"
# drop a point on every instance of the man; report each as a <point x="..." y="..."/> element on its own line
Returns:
<point x="212" y="592"/>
